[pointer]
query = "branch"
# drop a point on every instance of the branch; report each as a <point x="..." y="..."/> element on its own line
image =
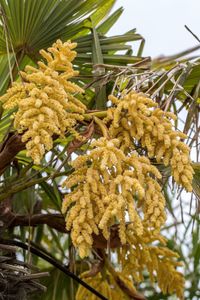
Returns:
<point x="9" y="149"/>
<point x="57" y="222"/>
<point x="130" y="291"/>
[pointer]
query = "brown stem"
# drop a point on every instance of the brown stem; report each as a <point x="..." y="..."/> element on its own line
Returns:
<point x="9" y="149"/>
<point x="56" y="221"/>
<point x="128" y="290"/>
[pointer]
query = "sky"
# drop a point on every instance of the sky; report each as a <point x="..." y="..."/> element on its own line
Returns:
<point x="161" y="23"/>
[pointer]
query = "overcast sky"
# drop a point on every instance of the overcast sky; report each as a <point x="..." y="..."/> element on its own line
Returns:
<point x="161" y="22"/>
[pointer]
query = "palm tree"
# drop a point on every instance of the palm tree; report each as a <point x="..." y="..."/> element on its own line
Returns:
<point x="31" y="195"/>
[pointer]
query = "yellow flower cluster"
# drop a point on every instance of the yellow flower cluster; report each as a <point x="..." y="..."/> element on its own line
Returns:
<point x="115" y="184"/>
<point x="159" y="261"/>
<point x="44" y="100"/>
<point x="108" y="187"/>
<point x="106" y="285"/>
<point x="136" y="119"/>
<point x="134" y="258"/>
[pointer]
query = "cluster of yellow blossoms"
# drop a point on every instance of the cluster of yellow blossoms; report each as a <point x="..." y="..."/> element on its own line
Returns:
<point x="44" y="100"/>
<point x="107" y="285"/>
<point x="136" y="119"/>
<point x="115" y="183"/>
<point x="139" y="254"/>
<point x="109" y="187"/>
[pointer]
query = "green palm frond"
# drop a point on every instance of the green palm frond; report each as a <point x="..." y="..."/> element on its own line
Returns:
<point x="36" y="24"/>
<point x="30" y="25"/>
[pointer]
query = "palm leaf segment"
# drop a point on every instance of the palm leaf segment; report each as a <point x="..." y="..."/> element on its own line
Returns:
<point x="27" y="26"/>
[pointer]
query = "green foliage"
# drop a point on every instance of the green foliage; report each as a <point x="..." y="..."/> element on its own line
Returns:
<point x="29" y="25"/>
